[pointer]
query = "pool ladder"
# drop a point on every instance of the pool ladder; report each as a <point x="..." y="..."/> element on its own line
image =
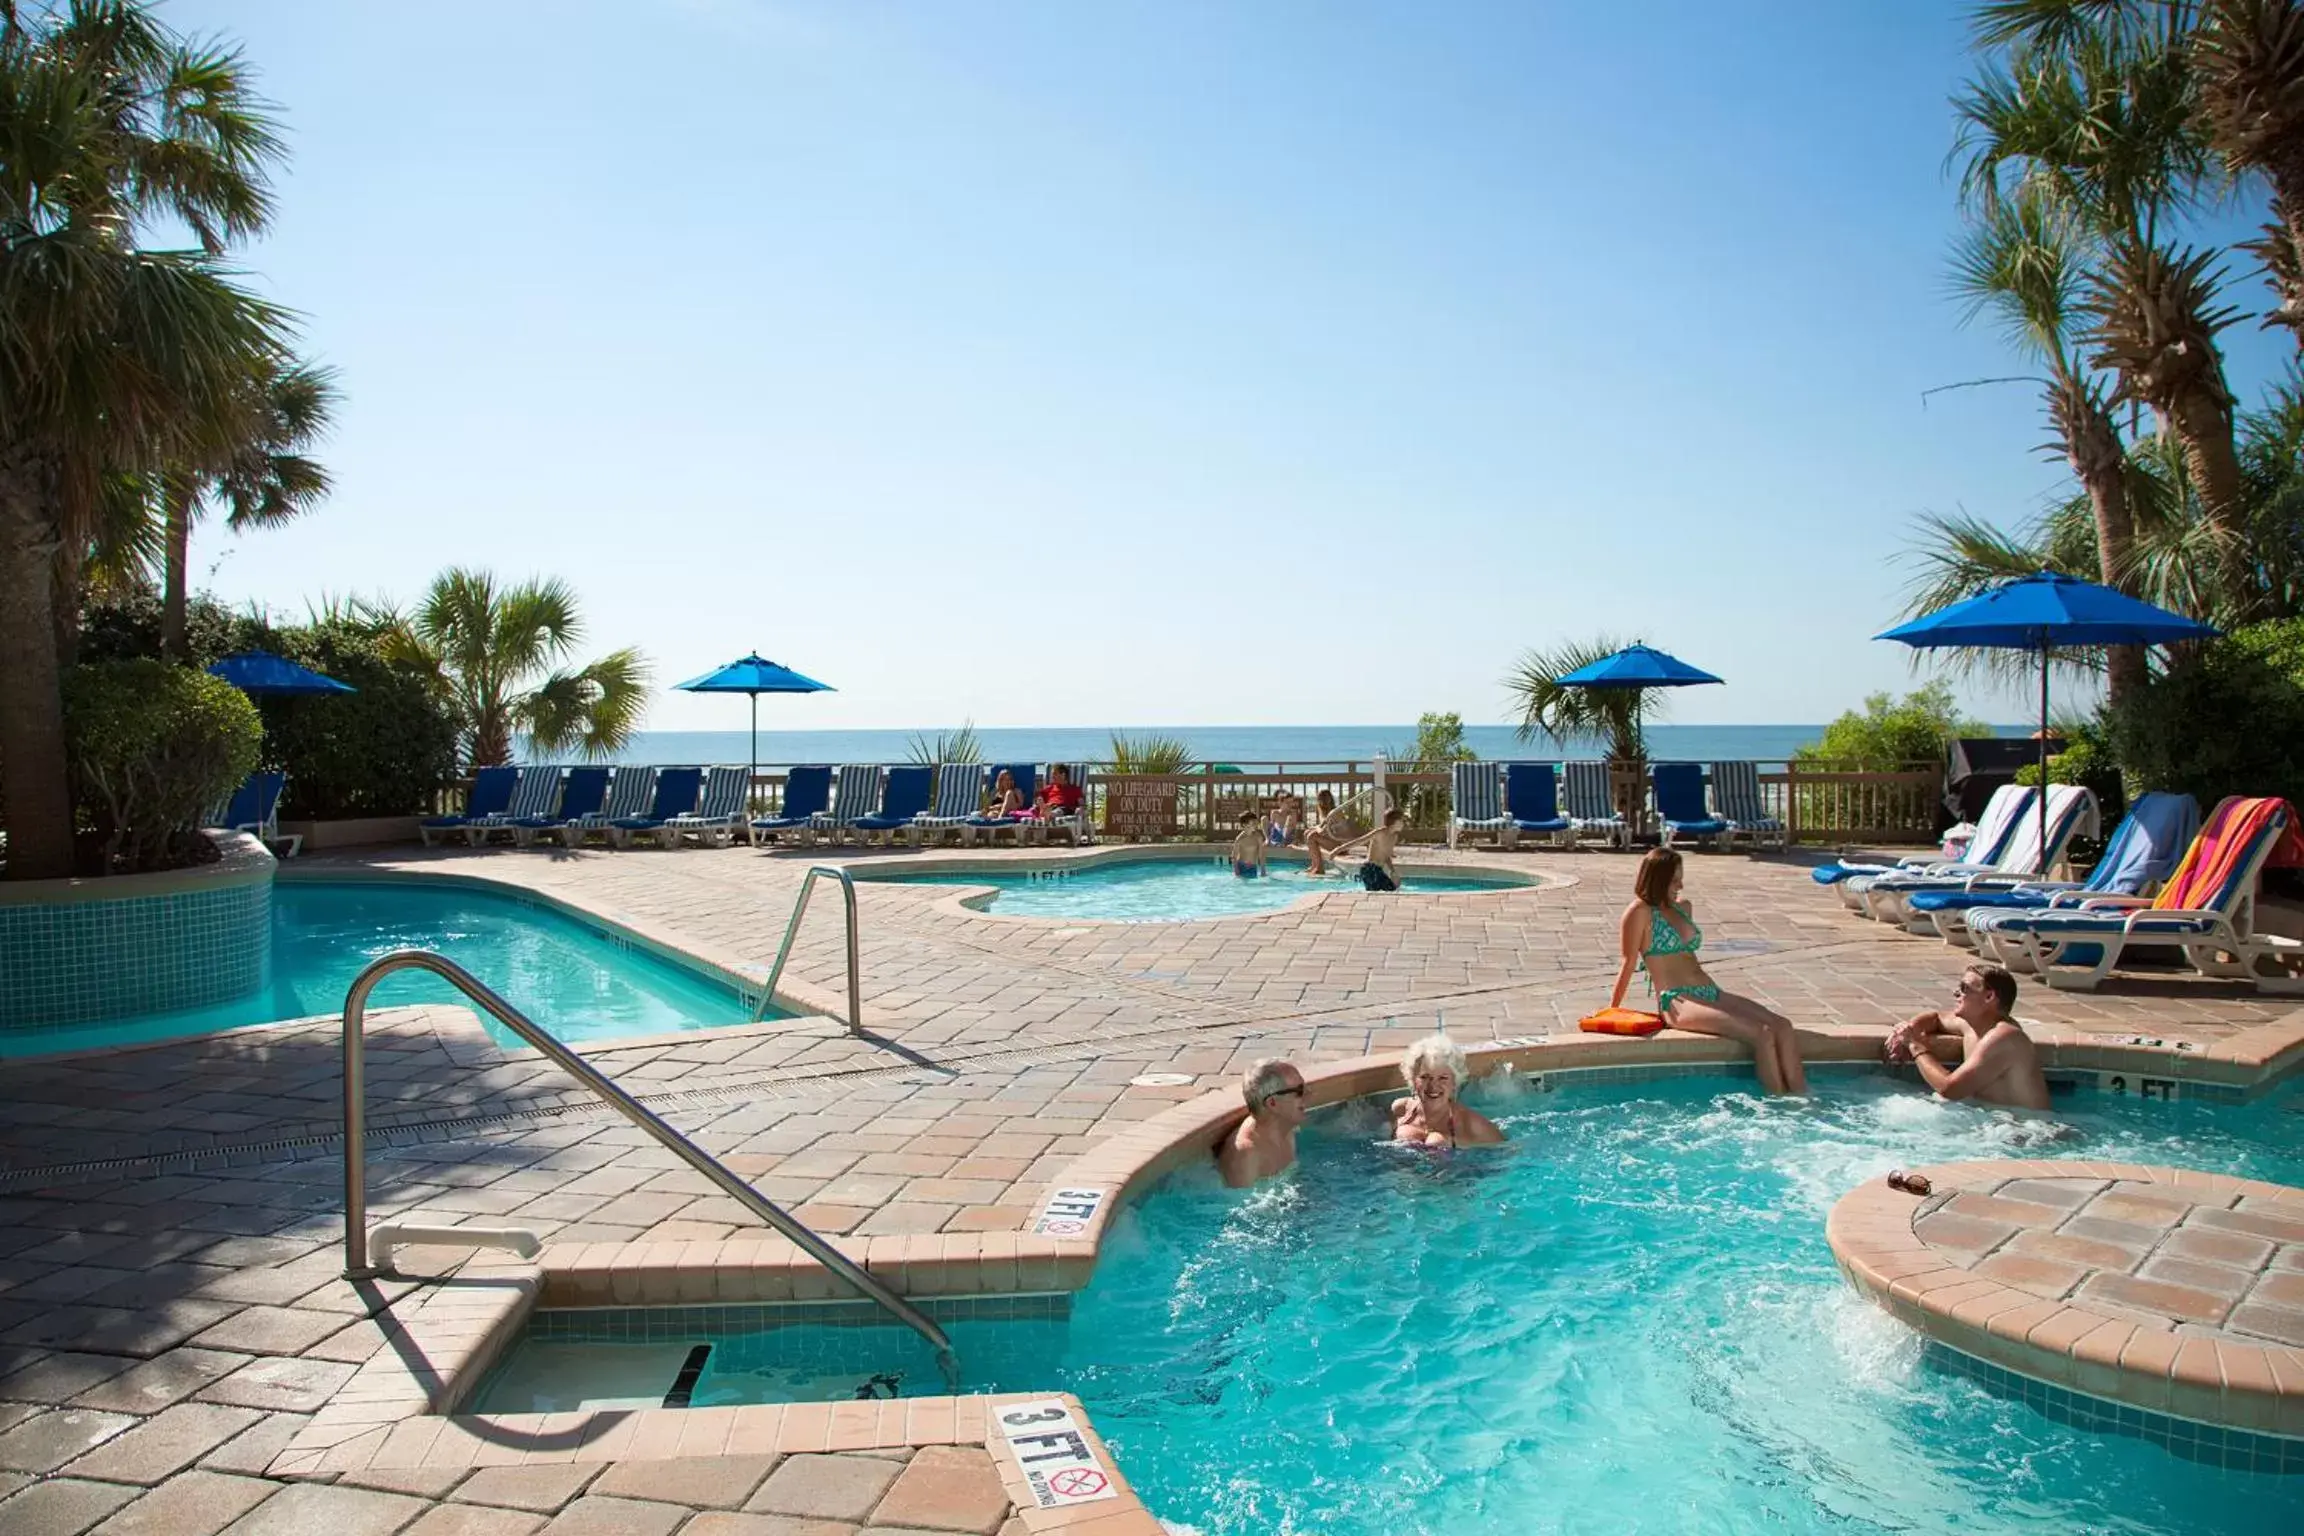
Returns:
<point x="792" y="931"/>
<point x="356" y="1235"/>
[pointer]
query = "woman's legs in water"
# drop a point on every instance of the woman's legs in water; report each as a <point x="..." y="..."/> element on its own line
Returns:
<point x="1780" y="1034"/>
<point x="1717" y="1018"/>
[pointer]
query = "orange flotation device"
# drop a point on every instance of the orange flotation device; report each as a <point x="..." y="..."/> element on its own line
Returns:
<point x="1621" y="1021"/>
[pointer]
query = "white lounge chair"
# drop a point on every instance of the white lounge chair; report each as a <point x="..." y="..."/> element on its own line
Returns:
<point x="720" y="817"/>
<point x="2004" y="813"/>
<point x="1591" y="805"/>
<point x="1476" y="803"/>
<point x="855" y="795"/>
<point x="1736" y="798"/>
<point x="630" y="794"/>
<point x="2071" y="812"/>
<point x="959" y="800"/>
<point x="534" y="795"/>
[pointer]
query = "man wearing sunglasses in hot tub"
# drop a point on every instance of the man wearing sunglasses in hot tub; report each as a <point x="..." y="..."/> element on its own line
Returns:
<point x="1998" y="1064"/>
<point x="1264" y="1143"/>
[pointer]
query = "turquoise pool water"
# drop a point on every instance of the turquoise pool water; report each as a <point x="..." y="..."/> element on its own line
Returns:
<point x="576" y="982"/>
<point x="1167" y="890"/>
<point x="1626" y="1321"/>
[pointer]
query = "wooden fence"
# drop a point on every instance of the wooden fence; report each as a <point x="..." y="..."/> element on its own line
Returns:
<point x="1820" y="802"/>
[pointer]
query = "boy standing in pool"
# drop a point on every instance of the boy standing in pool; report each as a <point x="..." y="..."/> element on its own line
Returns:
<point x="1264" y="1143"/>
<point x="1378" y="874"/>
<point x="1998" y="1064"/>
<point x="1248" y="848"/>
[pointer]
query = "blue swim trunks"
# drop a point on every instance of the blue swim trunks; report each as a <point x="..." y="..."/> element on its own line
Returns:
<point x="1245" y="871"/>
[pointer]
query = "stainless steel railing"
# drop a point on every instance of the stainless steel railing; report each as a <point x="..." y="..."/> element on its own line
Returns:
<point x="356" y="1266"/>
<point x="792" y="931"/>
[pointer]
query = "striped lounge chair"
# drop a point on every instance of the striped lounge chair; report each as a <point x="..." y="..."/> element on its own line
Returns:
<point x="720" y="818"/>
<point x="958" y="801"/>
<point x="1679" y="789"/>
<point x="1736" y="799"/>
<point x="2071" y="813"/>
<point x="537" y="791"/>
<point x="903" y="795"/>
<point x="1074" y="825"/>
<point x="1532" y="800"/>
<point x="807" y="796"/>
<point x="491" y="796"/>
<point x="1027" y="777"/>
<point x="1476" y="803"/>
<point x="1591" y="806"/>
<point x="2206" y="912"/>
<point x="630" y="794"/>
<point x="2137" y="862"/>
<point x="677" y="790"/>
<point x="582" y="796"/>
<point x="2011" y="805"/>
<point x="855" y="795"/>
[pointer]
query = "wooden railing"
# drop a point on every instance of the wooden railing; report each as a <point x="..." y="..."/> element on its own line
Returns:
<point x="1820" y="802"/>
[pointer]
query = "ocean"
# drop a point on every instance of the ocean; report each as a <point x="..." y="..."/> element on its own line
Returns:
<point x="1252" y="746"/>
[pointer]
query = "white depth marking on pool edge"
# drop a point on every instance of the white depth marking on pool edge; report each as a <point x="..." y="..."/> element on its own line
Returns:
<point x="1067" y="1212"/>
<point x="1054" y="1455"/>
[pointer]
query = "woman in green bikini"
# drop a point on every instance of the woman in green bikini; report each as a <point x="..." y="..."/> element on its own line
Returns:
<point x="1660" y="936"/>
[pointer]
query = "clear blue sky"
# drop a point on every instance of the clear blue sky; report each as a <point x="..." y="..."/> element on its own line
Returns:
<point x="1055" y="364"/>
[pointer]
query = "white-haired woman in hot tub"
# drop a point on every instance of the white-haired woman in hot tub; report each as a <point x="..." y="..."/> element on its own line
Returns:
<point x="1432" y="1115"/>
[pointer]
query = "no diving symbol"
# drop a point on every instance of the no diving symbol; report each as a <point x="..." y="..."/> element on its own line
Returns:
<point x="1063" y="1226"/>
<point x="1076" y="1483"/>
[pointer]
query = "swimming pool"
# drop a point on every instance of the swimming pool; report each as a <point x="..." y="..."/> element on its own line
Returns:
<point x="1625" y="1321"/>
<point x="1166" y="890"/>
<point x="579" y="983"/>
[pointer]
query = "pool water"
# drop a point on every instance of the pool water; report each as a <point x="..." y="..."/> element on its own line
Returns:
<point x="1170" y="890"/>
<point x="577" y="983"/>
<point x="1627" y="1320"/>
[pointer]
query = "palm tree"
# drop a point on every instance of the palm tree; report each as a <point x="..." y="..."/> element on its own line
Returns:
<point x="495" y="651"/>
<point x="114" y="359"/>
<point x="2249" y="57"/>
<point x="1568" y="712"/>
<point x="2093" y="110"/>
<point x="266" y="479"/>
<point x="2020" y="259"/>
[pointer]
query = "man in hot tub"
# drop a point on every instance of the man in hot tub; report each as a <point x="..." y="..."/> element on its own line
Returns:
<point x="1998" y="1064"/>
<point x="1265" y="1143"/>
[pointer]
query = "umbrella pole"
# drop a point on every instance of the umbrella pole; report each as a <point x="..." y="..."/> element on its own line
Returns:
<point x="752" y="773"/>
<point x="2044" y="870"/>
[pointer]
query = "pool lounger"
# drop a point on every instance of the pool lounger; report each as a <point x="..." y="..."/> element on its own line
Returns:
<point x="491" y="796"/>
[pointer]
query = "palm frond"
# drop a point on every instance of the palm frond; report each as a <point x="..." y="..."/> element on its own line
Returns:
<point x="1569" y="713"/>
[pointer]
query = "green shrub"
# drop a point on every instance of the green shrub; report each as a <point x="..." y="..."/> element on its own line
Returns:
<point x="1889" y="733"/>
<point x="1150" y="754"/>
<point x="2227" y="721"/>
<point x="382" y="751"/>
<point x="961" y="745"/>
<point x="153" y="749"/>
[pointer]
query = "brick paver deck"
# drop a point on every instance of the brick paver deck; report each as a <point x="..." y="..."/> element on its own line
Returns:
<point x="171" y="1313"/>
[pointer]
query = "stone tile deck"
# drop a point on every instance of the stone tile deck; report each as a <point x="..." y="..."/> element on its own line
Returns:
<point x="171" y="1312"/>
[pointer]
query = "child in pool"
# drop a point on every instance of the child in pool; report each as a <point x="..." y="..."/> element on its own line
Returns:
<point x="1248" y="849"/>
<point x="1431" y="1115"/>
<point x="1377" y="874"/>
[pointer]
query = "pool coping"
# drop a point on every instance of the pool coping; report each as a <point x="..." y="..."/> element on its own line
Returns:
<point x="965" y="900"/>
<point x="2128" y="1357"/>
<point x="399" y="1409"/>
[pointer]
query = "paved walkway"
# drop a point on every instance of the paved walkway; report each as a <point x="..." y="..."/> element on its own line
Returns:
<point x="170" y="1307"/>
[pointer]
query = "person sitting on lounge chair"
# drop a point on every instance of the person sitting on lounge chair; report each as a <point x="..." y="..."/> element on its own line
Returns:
<point x="1060" y="796"/>
<point x="1998" y="1064"/>
<point x="1007" y="799"/>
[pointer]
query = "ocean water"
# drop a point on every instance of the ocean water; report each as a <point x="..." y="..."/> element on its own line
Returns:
<point x="1252" y="746"/>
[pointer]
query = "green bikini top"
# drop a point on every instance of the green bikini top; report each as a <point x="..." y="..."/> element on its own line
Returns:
<point x="1665" y="939"/>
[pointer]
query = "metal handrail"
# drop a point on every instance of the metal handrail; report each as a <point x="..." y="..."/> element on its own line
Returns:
<point x="356" y="1266"/>
<point x="792" y="931"/>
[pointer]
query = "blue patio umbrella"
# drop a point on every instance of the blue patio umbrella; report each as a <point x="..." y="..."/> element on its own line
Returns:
<point x="262" y="672"/>
<point x="1636" y="669"/>
<point x="754" y="674"/>
<point x="2042" y="612"/>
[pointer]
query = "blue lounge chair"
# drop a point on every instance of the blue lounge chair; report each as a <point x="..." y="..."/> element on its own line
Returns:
<point x="1532" y="800"/>
<point x="721" y="818"/>
<point x="255" y="809"/>
<point x="2143" y="850"/>
<point x="1591" y="805"/>
<point x="1476" y="803"/>
<point x="958" y="801"/>
<point x="491" y="796"/>
<point x="537" y="791"/>
<point x="1736" y="800"/>
<point x="903" y="795"/>
<point x="807" y="796"/>
<point x="676" y="792"/>
<point x="2071" y="813"/>
<point x="581" y="798"/>
<point x="1680" y="805"/>
<point x="1027" y="777"/>
<point x="855" y="794"/>
<point x="1993" y="829"/>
